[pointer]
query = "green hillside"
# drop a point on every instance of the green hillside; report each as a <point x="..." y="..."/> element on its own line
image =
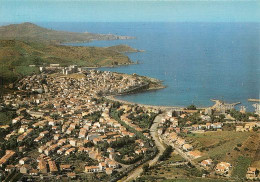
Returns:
<point x="35" y="33"/>
<point x="16" y="56"/>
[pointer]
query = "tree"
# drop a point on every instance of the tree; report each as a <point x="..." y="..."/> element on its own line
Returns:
<point x="166" y="153"/>
<point x="221" y="117"/>
<point x="255" y="129"/>
<point x="191" y="107"/>
<point x="145" y="168"/>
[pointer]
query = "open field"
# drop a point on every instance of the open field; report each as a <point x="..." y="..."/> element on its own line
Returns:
<point x="196" y="180"/>
<point x="241" y="149"/>
<point x="256" y="164"/>
<point x="241" y="166"/>
<point x="218" y="145"/>
<point x="173" y="167"/>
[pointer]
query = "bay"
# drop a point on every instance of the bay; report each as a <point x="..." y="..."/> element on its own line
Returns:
<point x="196" y="61"/>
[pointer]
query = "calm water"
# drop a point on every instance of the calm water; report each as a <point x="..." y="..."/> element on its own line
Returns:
<point x="196" y="61"/>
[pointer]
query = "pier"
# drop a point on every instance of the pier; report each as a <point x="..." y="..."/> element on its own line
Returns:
<point x="254" y="100"/>
<point x="221" y="105"/>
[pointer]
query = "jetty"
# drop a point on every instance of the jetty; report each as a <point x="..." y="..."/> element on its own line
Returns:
<point x="254" y="100"/>
<point x="221" y="105"/>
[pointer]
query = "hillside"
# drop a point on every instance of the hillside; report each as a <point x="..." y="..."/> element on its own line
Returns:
<point x="16" y="56"/>
<point x="122" y="49"/>
<point x="32" y="32"/>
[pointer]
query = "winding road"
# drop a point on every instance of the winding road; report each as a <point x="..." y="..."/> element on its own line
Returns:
<point x="153" y="131"/>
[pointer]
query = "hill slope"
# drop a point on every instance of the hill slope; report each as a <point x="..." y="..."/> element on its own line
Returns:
<point x="32" y="32"/>
<point x="123" y="49"/>
<point x="16" y="56"/>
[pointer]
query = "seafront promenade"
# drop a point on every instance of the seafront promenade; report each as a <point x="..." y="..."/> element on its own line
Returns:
<point x="162" y="108"/>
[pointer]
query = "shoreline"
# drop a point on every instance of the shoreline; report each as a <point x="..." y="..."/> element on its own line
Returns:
<point x="155" y="85"/>
<point x="111" y="66"/>
<point x="164" y="108"/>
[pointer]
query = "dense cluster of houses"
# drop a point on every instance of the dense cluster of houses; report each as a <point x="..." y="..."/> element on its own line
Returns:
<point x="96" y="81"/>
<point x="59" y="109"/>
<point x="56" y="111"/>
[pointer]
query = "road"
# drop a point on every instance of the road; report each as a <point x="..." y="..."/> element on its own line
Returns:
<point x="153" y="131"/>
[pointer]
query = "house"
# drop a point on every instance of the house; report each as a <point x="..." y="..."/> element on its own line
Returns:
<point x="4" y="127"/>
<point x="187" y="147"/>
<point x="144" y="150"/>
<point x="8" y="155"/>
<point x="131" y="134"/>
<point x="42" y="166"/>
<point x="39" y="138"/>
<point x="173" y="136"/>
<point x="24" y="169"/>
<point x="65" y="167"/>
<point x="17" y="119"/>
<point x="109" y="170"/>
<point x="180" y="141"/>
<point x="250" y="126"/>
<point x="9" y="168"/>
<point x="24" y="160"/>
<point x="42" y="148"/>
<point x="139" y="142"/>
<point x="73" y="142"/>
<point x="102" y="166"/>
<point x="160" y="131"/>
<point x="21" y="149"/>
<point x="138" y="151"/>
<point x="71" y="175"/>
<point x="112" y="155"/>
<point x="222" y="168"/>
<point x="240" y="129"/>
<point x="53" y="167"/>
<point x="112" y="164"/>
<point x="62" y="141"/>
<point x="22" y="129"/>
<point x="33" y="172"/>
<point x="56" y="137"/>
<point x="206" y="163"/>
<point x="110" y="150"/>
<point x="82" y="133"/>
<point x="217" y="125"/>
<point x="70" y="151"/>
<point x="205" y="118"/>
<point x="194" y="154"/>
<point x="208" y="125"/>
<point x="96" y="141"/>
<point x="91" y="169"/>
<point x="44" y="133"/>
<point x="252" y="173"/>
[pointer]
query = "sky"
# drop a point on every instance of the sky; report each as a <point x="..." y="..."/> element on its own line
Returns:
<point x="17" y="11"/>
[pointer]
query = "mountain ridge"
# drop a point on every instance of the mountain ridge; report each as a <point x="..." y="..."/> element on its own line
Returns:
<point x="31" y="32"/>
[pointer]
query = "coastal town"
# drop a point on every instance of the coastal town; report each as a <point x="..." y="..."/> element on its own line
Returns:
<point x="66" y="126"/>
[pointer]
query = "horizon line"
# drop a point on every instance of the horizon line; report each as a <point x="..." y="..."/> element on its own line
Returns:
<point x="35" y="22"/>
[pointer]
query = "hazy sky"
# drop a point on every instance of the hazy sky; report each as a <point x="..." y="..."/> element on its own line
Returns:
<point x="129" y="11"/>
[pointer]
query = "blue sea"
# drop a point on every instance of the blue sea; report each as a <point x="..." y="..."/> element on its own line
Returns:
<point x="196" y="61"/>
